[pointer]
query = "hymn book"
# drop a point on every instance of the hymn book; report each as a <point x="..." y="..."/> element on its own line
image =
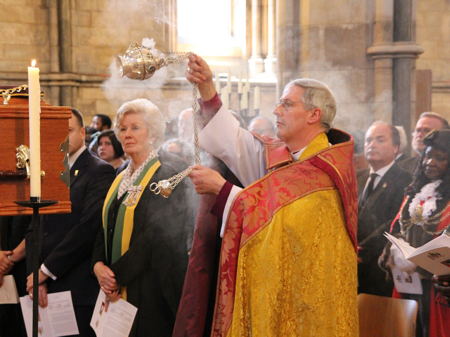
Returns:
<point x="434" y="256"/>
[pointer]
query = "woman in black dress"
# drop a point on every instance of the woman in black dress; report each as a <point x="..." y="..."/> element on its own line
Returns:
<point x="141" y="254"/>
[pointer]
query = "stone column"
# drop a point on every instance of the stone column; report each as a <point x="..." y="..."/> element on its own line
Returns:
<point x="288" y="41"/>
<point x="394" y="52"/>
<point x="405" y="64"/>
<point x="382" y="62"/>
<point x="270" y="60"/>
<point x="256" y="62"/>
<point x="170" y="27"/>
<point x="54" y="49"/>
<point x="65" y="48"/>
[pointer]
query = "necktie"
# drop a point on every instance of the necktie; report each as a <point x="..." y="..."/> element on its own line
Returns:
<point x="369" y="188"/>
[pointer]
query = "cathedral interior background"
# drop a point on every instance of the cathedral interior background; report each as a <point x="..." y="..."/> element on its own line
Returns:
<point x="384" y="59"/>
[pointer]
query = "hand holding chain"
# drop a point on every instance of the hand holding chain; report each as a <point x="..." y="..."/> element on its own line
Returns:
<point x="165" y="187"/>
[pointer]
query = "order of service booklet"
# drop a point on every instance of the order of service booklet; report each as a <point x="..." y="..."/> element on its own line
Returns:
<point x="56" y="319"/>
<point x="112" y="319"/>
<point x="434" y="256"/>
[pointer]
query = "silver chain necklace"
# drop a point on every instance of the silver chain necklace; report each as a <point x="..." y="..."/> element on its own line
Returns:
<point x="129" y="178"/>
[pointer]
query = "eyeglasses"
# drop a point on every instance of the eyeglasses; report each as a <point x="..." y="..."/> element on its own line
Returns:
<point x="421" y="130"/>
<point x="286" y="104"/>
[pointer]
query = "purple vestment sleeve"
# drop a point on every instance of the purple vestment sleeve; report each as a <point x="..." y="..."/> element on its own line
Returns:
<point x="221" y="200"/>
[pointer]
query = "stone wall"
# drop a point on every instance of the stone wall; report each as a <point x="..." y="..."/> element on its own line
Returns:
<point x="433" y="34"/>
<point x="333" y="43"/>
<point x="24" y="35"/>
<point x="75" y="41"/>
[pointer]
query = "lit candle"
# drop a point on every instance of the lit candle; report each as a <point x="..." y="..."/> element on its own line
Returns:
<point x="34" y="108"/>
<point x="256" y="98"/>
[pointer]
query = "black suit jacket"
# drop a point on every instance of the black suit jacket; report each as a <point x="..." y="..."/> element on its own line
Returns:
<point x="377" y="213"/>
<point x="68" y="239"/>
<point x="409" y="164"/>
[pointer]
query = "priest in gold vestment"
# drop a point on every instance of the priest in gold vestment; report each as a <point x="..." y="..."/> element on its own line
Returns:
<point x="288" y="257"/>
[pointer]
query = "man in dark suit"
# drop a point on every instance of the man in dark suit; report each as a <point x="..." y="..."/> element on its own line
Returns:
<point x="68" y="239"/>
<point x="380" y="194"/>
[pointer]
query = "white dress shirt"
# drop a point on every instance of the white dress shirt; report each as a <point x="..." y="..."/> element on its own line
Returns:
<point x="380" y="173"/>
<point x="73" y="158"/>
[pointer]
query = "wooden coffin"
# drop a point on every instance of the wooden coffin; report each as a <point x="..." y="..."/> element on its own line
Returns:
<point x="14" y="185"/>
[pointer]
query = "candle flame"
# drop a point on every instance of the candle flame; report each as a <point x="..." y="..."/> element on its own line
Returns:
<point x="33" y="63"/>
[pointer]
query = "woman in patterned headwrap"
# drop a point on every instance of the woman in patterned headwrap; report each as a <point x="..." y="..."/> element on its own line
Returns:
<point x="425" y="214"/>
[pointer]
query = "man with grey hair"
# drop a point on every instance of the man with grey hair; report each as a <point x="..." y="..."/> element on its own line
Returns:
<point x="427" y="122"/>
<point x="289" y="237"/>
<point x="262" y="126"/>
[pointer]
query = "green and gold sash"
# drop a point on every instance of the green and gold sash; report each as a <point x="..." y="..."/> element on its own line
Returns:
<point x="125" y="215"/>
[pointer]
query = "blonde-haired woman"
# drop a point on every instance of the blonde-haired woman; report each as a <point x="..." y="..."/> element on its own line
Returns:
<point x="141" y="254"/>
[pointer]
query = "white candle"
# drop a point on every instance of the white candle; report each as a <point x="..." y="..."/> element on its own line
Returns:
<point x="217" y="84"/>
<point x="256" y="98"/>
<point x="228" y="86"/>
<point x="244" y="98"/>
<point x="34" y="108"/>
<point x="239" y="88"/>
<point x="225" y="98"/>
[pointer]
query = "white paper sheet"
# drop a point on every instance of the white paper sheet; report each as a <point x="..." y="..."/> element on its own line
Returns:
<point x="116" y="321"/>
<point x="407" y="283"/>
<point x="57" y="319"/>
<point x="8" y="291"/>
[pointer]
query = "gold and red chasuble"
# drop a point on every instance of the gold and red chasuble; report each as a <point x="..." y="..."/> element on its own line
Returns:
<point x="288" y="258"/>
